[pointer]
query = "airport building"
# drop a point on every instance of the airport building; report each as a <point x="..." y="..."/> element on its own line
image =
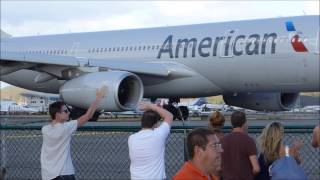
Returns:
<point x="39" y="101"/>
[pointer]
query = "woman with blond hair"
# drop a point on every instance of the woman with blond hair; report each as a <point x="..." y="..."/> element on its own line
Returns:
<point x="216" y="123"/>
<point x="272" y="148"/>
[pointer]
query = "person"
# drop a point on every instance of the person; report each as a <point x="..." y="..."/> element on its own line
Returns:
<point x="316" y="137"/>
<point x="270" y="142"/>
<point x="216" y="123"/>
<point x="239" y="159"/>
<point x="147" y="147"/>
<point x="204" y="149"/>
<point x="56" y="160"/>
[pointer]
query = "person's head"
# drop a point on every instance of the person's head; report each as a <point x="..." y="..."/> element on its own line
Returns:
<point x="150" y="119"/>
<point x="58" y="111"/>
<point x="204" y="148"/>
<point x="270" y="140"/>
<point x="216" y="120"/>
<point x="238" y="120"/>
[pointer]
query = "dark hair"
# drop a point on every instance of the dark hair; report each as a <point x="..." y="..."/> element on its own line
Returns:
<point x="238" y="118"/>
<point x="216" y="120"/>
<point x="55" y="108"/>
<point x="197" y="137"/>
<point x="149" y="118"/>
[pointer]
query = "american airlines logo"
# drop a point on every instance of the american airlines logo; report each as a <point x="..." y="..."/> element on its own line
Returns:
<point x="226" y="46"/>
<point x="296" y="42"/>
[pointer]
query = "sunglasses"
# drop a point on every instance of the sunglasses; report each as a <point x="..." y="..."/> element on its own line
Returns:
<point x="65" y="110"/>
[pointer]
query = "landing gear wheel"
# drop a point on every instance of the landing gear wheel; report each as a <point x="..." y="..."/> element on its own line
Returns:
<point x="184" y="112"/>
<point x="173" y="110"/>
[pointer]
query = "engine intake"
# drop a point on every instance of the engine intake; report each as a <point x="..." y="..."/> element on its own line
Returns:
<point x="125" y="90"/>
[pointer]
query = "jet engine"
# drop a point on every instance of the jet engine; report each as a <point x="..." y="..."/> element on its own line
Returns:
<point x="124" y="91"/>
<point x="262" y="101"/>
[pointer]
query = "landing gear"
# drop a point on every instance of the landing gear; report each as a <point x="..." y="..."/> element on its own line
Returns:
<point x="75" y="113"/>
<point x="180" y="113"/>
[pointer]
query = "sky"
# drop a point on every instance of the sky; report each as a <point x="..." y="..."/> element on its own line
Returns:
<point x="28" y="18"/>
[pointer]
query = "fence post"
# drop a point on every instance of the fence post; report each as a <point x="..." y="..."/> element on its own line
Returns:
<point x="3" y="122"/>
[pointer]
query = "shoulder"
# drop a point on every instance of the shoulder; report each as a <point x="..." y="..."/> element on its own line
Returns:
<point x="183" y="174"/>
<point x="45" y="128"/>
<point x="71" y="123"/>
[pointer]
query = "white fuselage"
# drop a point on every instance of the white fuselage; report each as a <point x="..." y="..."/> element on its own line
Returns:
<point x="240" y="56"/>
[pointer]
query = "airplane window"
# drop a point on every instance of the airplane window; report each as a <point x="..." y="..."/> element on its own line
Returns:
<point x="144" y="48"/>
<point x="105" y="49"/>
<point x="109" y="49"/>
<point x="127" y="48"/>
<point x="131" y="48"/>
<point x="152" y="47"/>
<point x="65" y="52"/>
<point x="47" y="51"/>
<point x="158" y="46"/>
<point x="139" y="48"/>
<point x="114" y="49"/>
<point x="122" y="48"/>
<point x="135" y="48"/>
<point x="101" y="50"/>
<point x="118" y="49"/>
<point x="148" y="47"/>
<point x="89" y="50"/>
<point x="58" y="52"/>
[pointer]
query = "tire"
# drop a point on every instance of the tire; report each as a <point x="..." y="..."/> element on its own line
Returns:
<point x="184" y="111"/>
<point x="173" y="110"/>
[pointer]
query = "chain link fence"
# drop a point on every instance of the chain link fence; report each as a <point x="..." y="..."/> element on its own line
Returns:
<point x="102" y="152"/>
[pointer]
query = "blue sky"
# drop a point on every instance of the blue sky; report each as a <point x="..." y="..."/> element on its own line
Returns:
<point x="25" y="18"/>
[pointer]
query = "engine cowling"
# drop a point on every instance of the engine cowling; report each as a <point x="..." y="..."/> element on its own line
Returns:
<point x="262" y="101"/>
<point x="124" y="92"/>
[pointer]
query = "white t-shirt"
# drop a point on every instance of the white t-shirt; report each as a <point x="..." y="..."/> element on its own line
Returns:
<point x="55" y="151"/>
<point x="146" y="152"/>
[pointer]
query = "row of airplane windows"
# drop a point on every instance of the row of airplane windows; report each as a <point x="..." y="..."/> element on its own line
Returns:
<point x="133" y="48"/>
<point x="127" y="48"/>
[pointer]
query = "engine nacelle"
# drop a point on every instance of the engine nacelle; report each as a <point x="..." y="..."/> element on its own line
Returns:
<point x="262" y="101"/>
<point x="124" y="92"/>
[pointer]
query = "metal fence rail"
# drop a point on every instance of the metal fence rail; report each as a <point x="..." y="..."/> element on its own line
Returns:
<point x="102" y="152"/>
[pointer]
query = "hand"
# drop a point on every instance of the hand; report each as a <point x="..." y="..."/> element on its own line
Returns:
<point x="143" y="106"/>
<point x="100" y="94"/>
<point x="297" y="144"/>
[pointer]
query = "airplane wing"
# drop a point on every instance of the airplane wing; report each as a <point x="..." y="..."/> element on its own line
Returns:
<point x="140" y="66"/>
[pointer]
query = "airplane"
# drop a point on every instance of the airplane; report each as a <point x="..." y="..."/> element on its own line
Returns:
<point x="259" y="64"/>
<point x="7" y="107"/>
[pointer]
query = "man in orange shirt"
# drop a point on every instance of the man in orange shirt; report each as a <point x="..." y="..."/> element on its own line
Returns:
<point x="204" y="149"/>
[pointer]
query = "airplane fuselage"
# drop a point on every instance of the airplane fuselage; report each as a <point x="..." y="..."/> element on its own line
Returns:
<point x="280" y="55"/>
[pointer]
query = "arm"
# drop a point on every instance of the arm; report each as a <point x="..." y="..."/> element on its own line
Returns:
<point x="164" y="114"/>
<point x="255" y="164"/>
<point x="297" y="144"/>
<point x="92" y="109"/>
<point x="316" y="137"/>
